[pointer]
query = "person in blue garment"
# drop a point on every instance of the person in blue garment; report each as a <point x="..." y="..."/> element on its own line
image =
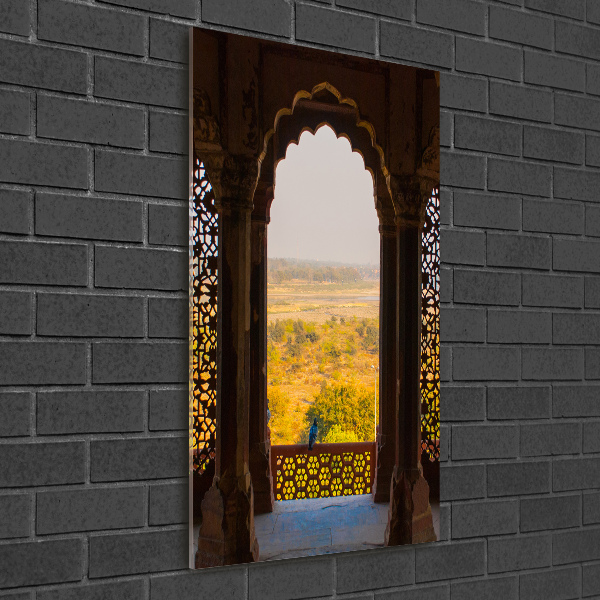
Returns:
<point x="312" y="434"/>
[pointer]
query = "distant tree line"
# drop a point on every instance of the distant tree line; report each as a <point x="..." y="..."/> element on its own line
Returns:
<point x="281" y="270"/>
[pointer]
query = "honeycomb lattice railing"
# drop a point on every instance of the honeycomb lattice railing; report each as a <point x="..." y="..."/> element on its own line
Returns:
<point x="325" y="471"/>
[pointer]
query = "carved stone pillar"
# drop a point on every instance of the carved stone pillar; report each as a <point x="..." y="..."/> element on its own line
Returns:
<point x="386" y="440"/>
<point x="260" y="438"/>
<point x="409" y="518"/>
<point x="227" y="531"/>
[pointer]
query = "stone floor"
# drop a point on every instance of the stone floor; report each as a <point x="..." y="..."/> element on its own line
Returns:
<point x="323" y="526"/>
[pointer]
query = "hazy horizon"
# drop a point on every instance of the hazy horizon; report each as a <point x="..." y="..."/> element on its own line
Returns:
<point x="324" y="207"/>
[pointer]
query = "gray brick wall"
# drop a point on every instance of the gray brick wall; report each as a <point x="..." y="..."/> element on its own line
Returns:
<point x="93" y="297"/>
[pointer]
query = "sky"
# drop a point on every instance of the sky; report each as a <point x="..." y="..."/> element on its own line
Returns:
<point x="323" y="207"/>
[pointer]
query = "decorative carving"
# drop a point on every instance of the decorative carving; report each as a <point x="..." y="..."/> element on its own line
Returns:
<point x="206" y="128"/>
<point x="430" y="159"/>
<point x="430" y="333"/>
<point x="410" y="200"/>
<point x="250" y="113"/>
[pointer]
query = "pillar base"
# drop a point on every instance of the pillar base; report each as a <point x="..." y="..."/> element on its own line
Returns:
<point x="409" y="518"/>
<point x="262" y="480"/>
<point x="227" y="531"/>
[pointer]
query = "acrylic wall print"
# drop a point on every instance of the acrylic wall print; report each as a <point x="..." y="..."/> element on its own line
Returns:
<point x="314" y="302"/>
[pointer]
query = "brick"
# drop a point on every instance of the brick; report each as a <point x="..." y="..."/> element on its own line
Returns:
<point x="89" y="412"/>
<point x="211" y="581"/>
<point x="90" y="26"/>
<point x="137" y="268"/>
<point x="169" y="41"/>
<point x="592" y="292"/>
<point x="488" y="58"/>
<point x="332" y="28"/>
<point x="576" y="546"/>
<point x="578" y="328"/>
<point x="561" y="584"/>
<point x="519" y="327"/>
<point x="544" y="69"/>
<point x="140" y="82"/>
<point x="122" y="460"/>
<point x="592" y="12"/>
<point x="462" y="482"/>
<point x="463" y="404"/>
<point x="168" y="225"/>
<point x="446" y="125"/>
<point x="592" y="82"/>
<point x="418" y="45"/>
<point x="486" y="210"/>
<point x="462" y="170"/>
<point x="552" y="217"/>
<point x="518" y="251"/>
<point x="169" y="410"/>
<point x="470" y="442"/>
<point x="592" y="150"/>
<point x="287" y="580"/>
<point x="575" y="474"/>
<point x="37" y="163"/>
<point x="88" y="218"/>
<point x="15" y="211"/>
<point x="574" y="255"/>
<point x="64" y="462"/>
<point x="15" y="313"/>
<point x="485" y="363"/>
<point x="182" y="8"/>
<point x="462" y="92"/>
<point x="550" y="439"/>
<point x="552" y="363"/>
<point x="576" y="185"/>
<point x="521" y="27"/>
<point x="41" y="562"/>
<point x="399" y="9"/>
<point x="487" y="135"/>
<point x="446" y="283"/>
<point x="552" y="290"/>
<point x="520" y="102"/>
<point x="90" y="315"/>
<point x="43" y="263"/>
<point x="122" y="590"/>
<point x="267" y="16"/>
<point x="435" y="562"/>
<point x="141" y="175"/>
<point x="89" y="510"/>
<point x="14" y="516"/>
<point x="518" y="478"/>
<point x="577" y="111"/>
<point x="437" y="592"/>
<point x="462" y="325"/>
<point x="168" y="132"/>
<point x="557" y="512"/>
<point x="131" y="553"/>
<point x="462" y="247"/>
<point x="520" y="403"/>
<point x="592" y="363"/>
<point x="574" y="9"/>
<point x="487" y="287"/>
<point x="591" y="579"/>
<point x="157" y="362"/>
<point x="591" y="437"/>
<point x="518" y="553"/>
<point x="15" y="408"/>
<point x="506" y="588"/>
<point x="43" y="67"/>
<point x="477" y="519"/>
<point x="358" y="572"/>
<point x="14" y="111"/>
<point x="578" y="40"/>
<point x="592" y="221"/>
<point x="591" y="507"/>
<point x="168" y="318"/>
<point x="459" y="15"/>
<point x="520" y="177"/>
<point x="90" y="122"/>
<point x="169" y="504"/>
<point x="42" y="363"/>
<point x="553" y="144"/>
<point x="576" y="401"/>
<point x="14" y="17"/>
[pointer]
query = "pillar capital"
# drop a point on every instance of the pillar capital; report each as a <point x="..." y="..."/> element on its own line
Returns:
<point x="410" y="196"/>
